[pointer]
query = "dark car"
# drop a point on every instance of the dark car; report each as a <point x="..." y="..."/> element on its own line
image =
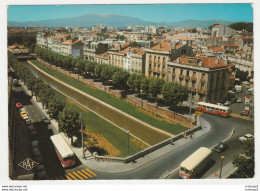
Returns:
<point x="245" y="112"/>
<point x="45" y="120"/>
<point x="220" y="147"/>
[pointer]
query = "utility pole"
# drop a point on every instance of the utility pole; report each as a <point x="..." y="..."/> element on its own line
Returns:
<point x="128" y="143"/>
<point x="222" y="158"/>
<point x="82" y="141"/>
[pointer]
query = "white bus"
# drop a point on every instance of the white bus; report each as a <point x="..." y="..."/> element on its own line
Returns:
<point x="64" y="152"/>
<point x="214" y="109"/>
<point x="195" y="163"/>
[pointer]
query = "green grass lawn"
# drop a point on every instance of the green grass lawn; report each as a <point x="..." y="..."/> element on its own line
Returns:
<point x="114" y="135"/>
<point x="111" y="100"/>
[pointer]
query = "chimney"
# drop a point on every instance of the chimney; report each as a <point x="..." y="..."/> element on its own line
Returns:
<point x="178" y="60"/>
<point x="149" y="45"/>
<point x="160" y="45"/>
<point x="200" y="63"/>
<point x="119" y="47"/>
<point x="216" y="61"/>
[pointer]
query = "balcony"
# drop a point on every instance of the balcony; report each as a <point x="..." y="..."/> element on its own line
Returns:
<point x="193" y="79"/>
<point x="181" y="76"/>
<point x="203" y="81"/>
<point x="202" y="91"/>
<point x="187" y="78"/>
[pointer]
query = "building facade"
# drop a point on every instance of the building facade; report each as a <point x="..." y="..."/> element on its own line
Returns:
<point x="207" y="78"/>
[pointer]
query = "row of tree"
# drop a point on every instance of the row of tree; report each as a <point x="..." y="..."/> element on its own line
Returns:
<point x="172" y="93"/>
<point x="67" y="117"/>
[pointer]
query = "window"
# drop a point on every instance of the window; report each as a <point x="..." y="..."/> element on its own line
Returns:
<point x="181" y="72"/>
<point x="183" y="51"/>
<point x="188" y="73"/>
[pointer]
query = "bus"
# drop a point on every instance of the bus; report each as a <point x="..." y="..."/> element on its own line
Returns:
<point x="195" y="163"/>
<point x="64" y="152"/>
<point x="214" y="109"/>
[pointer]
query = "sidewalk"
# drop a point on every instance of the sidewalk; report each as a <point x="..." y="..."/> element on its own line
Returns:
<point x="116" y="167"/>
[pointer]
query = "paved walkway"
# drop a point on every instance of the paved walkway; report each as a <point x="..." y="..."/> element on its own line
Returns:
<point x="117" y="167"/>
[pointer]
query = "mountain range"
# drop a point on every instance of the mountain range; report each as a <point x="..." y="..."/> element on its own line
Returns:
<point x="88" y="20"/>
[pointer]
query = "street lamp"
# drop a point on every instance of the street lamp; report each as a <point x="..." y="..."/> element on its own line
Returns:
<point x="222" y="158"/>
<point x="128" y="132"/>
<point x="83" y="155"/>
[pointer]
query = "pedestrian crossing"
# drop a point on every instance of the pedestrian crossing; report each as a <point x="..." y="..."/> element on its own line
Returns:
<point x="239" y="116"/>
<point x="83" y="174"/>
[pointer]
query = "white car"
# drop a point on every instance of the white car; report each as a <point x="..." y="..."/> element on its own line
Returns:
<point x="246" y="137"/>
<point x="247" y="108"/>
<point x="239" y="100"/>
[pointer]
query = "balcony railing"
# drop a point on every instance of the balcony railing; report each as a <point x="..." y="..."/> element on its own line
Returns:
<point x="203" y="81"/>
<point x="181" y="76"/>
<point x="193" y="79"/>
<point x="187" y="78"/>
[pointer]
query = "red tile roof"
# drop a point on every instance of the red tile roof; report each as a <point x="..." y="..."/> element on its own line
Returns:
<point x="232" y="45"/>
<point x="69" y="42"/>
<point x="62" y="35"/>
<point x="218" y="49"/>
<point x="247" y="37"/>
<point x="207" y="62"/>
<point x="217" y="26"/>
<point x="162" y="46"/>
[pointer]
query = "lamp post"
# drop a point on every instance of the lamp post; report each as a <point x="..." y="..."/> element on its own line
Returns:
<point x="222" y="158"/>
<point x="83" y="155"/>
<point x="128" y="143"/>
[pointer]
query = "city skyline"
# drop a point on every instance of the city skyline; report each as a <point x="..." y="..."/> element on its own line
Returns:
<point x="165" y="13"/>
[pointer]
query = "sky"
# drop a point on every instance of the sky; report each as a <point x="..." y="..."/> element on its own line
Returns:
<point x="150" y="12"/>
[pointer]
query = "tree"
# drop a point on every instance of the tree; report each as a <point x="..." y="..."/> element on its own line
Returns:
<point x="145" y="85"/>
<point x="155" y="87"/>
<point x="55" y="106"/>
<point x="90" y="68"/>
<point x="131" y="82"/>
<point x="69" y="122"/>
<point x="245" y="162"/>
<point x="138" y="81"/>
<point x="242" y="75"/>
<point x="174" y="93"/>
<point x="241" y="26"/>
<point x="107" y="73"/>
<point x="98" y="69"/>
<point x="119" y="79"/>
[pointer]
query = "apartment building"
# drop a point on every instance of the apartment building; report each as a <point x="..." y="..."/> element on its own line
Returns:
<point x="134" y="60"/>
<point x="207" y="78"/>
<point x="159" y="55"/>
<point x="41" y="40"/>
<point x="221" y="31"/>
<point x="57" y="40"/>
<point x="72" y="48"/>
<point x="91" y="49"/>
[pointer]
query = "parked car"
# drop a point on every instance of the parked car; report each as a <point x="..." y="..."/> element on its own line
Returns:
<point x="247" y="86"/>
<point x="227" y="103"/>
<point x="246" y="137"/>
<point x="34" y="144"/>
<point x="247" y="108"/>
<point x="247" y="96"/>
<point x="45" y="120"/>
<point x="28" y="122"/>
<point x="245" y="112"/>
<point x="220" y="147"/>
<point x="239" y="100"/>
<point x="40" y="172"/>
<point x="233" y="100"/>
<point x="24" y="115"/>
<point x="19" y="105"/>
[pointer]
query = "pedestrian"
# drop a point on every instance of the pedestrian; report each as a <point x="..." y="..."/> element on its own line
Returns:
<point x="191" y="135"/>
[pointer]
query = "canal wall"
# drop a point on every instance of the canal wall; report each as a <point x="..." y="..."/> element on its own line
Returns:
<point x="163" y="112"/>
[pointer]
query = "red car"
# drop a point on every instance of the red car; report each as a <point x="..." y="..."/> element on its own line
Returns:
<point x="19" y="105"/>
<point x="247" y="96"/>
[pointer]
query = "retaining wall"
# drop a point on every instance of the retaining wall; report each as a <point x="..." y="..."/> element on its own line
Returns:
<point x="146" y="151"/>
